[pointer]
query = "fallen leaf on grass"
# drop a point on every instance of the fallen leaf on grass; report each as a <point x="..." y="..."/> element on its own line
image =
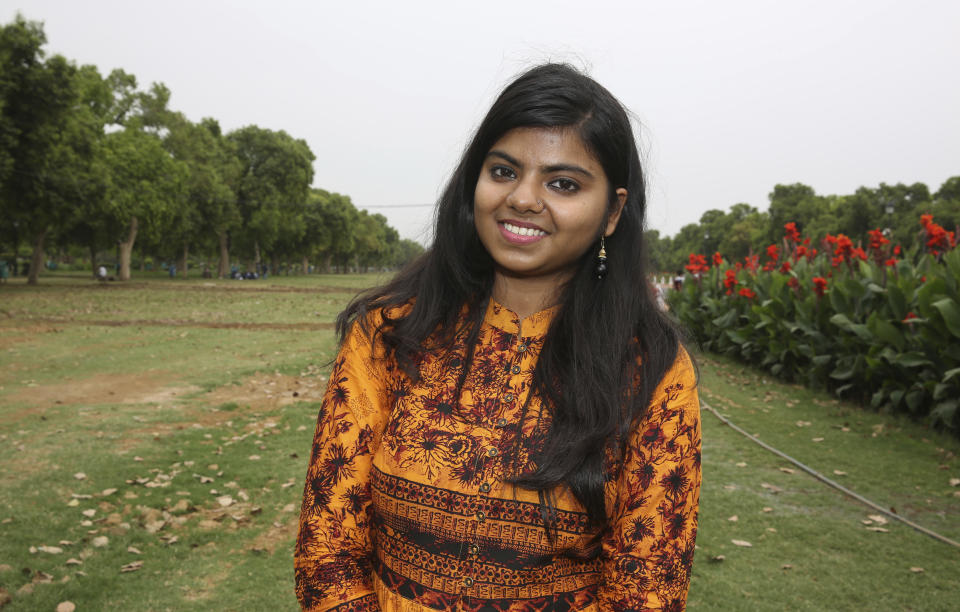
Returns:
<point x="50" y="550"/>
<point x="817" y="439"/>
<point x="290" y="508"/>
<point x="786" y="566"/>
<point x="742" y="543"/>
<point x="771" y="530"/>
<point x="771" y="488"/>
<point x="803" y="423"/>
<point x="225" y="500"/>
<point x="80" y="476"/>
<point x="66" y="606"/>
<point x="955" y="482"/>
<point x="879" y="519"/>
<point x="73" y="561"/>
<point x="718" y="558"/>
<point x="767" y="509"/>
<point x="734" y="518"/>
<point x="788" y="470"/>
<point x="100" y="541"/>
<point x="135" y="551"/>
<point x="916" y="570"/>
<point x="742" y="464"/>
<point x="131" y="567"/>
<point x="73" y="503"/>
<point x="839" y="472"/>
<point x="254" y="457"/>
<point x="878" y="529"/>
<point x="89" y="513"/>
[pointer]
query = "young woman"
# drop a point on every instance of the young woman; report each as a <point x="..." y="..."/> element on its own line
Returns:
<point x="511" y="423"/>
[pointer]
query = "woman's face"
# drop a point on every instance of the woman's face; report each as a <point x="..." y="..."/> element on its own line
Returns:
<point x="540" y="201"/>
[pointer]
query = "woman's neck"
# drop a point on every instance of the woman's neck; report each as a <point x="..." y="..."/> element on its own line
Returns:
<point x="525" y="295"/>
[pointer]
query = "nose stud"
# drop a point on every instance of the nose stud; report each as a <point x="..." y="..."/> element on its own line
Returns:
<point x="540" y="204"/>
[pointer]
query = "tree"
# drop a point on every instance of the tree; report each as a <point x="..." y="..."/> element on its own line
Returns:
<point x="146" y="186"/>
<point x="210" y="208"/>
<point x="46" y="146"/>
<point x="275" y="172"/>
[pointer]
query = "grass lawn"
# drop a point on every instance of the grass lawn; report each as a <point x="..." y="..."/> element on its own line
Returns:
<point x="153" y="440"/>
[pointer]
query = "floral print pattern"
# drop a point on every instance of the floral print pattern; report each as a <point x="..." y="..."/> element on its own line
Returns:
<point x="406" y="506"/>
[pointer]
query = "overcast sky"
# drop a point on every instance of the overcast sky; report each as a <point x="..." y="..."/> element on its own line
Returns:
<point x="732" y="97"/>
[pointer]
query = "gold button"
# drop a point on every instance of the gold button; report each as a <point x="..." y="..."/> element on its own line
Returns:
<point x="492" y="452"/>
<point x="474" y="549"/>
<point x="516" y="369"/>
<point x="468" y="581"/>
<point x="501" y="422"/>
<point x="485" y="487"/>
<point x="481" y="516"/>
<point x="508" y="397"/>
<point x="522" y="348"/>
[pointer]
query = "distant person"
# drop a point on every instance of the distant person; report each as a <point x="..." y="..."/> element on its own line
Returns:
<point x="510" y="424"/>
<point x="678" y="280"/>
<point x="102" y="273"/>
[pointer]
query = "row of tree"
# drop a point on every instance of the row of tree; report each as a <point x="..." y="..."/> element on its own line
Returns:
<point x="744" y="229"/>
<point x="98" y="162"/>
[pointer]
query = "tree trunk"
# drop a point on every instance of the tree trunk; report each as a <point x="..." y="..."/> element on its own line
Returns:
<point x="126" y="249"/>
<point x="275" y="266"/>
<point x="256" y="256"/>
<point x="93" y="259"/>
<point x="223" y="270"/>
<point x="183" y="259"/>
<point x="306" y="265"/>
<point x="36" y="261"/>
<point x="143" y="261"/>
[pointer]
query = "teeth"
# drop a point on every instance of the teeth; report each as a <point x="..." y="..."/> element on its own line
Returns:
<point x="523" y="231"/>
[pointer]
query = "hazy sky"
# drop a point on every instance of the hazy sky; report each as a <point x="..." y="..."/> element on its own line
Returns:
<point x="732" y="97"/>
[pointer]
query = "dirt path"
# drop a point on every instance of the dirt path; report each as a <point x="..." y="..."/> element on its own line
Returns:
<point x="174" y="323"/>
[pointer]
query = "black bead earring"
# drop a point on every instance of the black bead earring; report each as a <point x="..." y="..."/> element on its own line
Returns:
<point x="602" y="260"/>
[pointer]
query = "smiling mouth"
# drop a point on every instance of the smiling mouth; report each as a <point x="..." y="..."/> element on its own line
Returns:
<point x="522" y="231"/>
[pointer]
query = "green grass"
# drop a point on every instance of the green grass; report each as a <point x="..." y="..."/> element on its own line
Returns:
<point x="163" y="400"/>
<point x="834" y="561"/>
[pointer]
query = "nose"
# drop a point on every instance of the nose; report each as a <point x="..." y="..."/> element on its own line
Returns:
<point x="525" y="197"/>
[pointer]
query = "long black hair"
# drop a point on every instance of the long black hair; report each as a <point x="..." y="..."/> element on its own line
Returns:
<point x="608" y="345"/>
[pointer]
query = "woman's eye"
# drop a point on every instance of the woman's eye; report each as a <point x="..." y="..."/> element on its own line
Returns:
<point x="502" y="172"/>
<point x="564" y="184"/>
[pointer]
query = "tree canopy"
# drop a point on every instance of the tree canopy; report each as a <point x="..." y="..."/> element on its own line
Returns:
<point x="100" y="163"/>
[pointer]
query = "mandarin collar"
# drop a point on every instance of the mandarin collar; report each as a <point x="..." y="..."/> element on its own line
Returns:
<point x="504" y="319"/>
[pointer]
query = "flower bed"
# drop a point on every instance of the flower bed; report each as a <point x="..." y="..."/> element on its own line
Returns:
<point x="877" y="325"/>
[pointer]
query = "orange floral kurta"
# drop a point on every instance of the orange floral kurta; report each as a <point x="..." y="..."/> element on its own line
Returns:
<point x="406" y="509"/>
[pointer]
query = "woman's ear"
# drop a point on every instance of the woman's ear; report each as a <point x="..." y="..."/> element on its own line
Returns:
<point x="614" y="217"/>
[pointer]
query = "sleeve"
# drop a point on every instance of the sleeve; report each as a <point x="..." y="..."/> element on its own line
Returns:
<point x="332" y="559"/>
<point x="648" y="551"/>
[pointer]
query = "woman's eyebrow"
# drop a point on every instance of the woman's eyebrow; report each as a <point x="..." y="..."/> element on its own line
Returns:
<point x="567" y="168"/>
<point x="546" y="169"/>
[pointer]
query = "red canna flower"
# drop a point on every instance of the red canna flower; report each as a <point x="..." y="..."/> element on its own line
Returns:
<point x="751" y="262"/>
<point x="793" y="282"/>
<point x="896" y="250"/>
<point x="785" y="267"/>
<point x="747" y="293"/>
<point x="717" y="259"/>
<point x="730" y="280"/>
<point x="909" y="316"/>
<point x="891" y="262"/>
<point x="800" y="252"/>
<point x="698" y="264"/>
<point x="792" y="234"/>
<point x="819" y="286"/>
<point x="877" y="239"/>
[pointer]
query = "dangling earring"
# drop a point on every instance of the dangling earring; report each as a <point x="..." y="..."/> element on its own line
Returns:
<point x="602" y="260"/>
